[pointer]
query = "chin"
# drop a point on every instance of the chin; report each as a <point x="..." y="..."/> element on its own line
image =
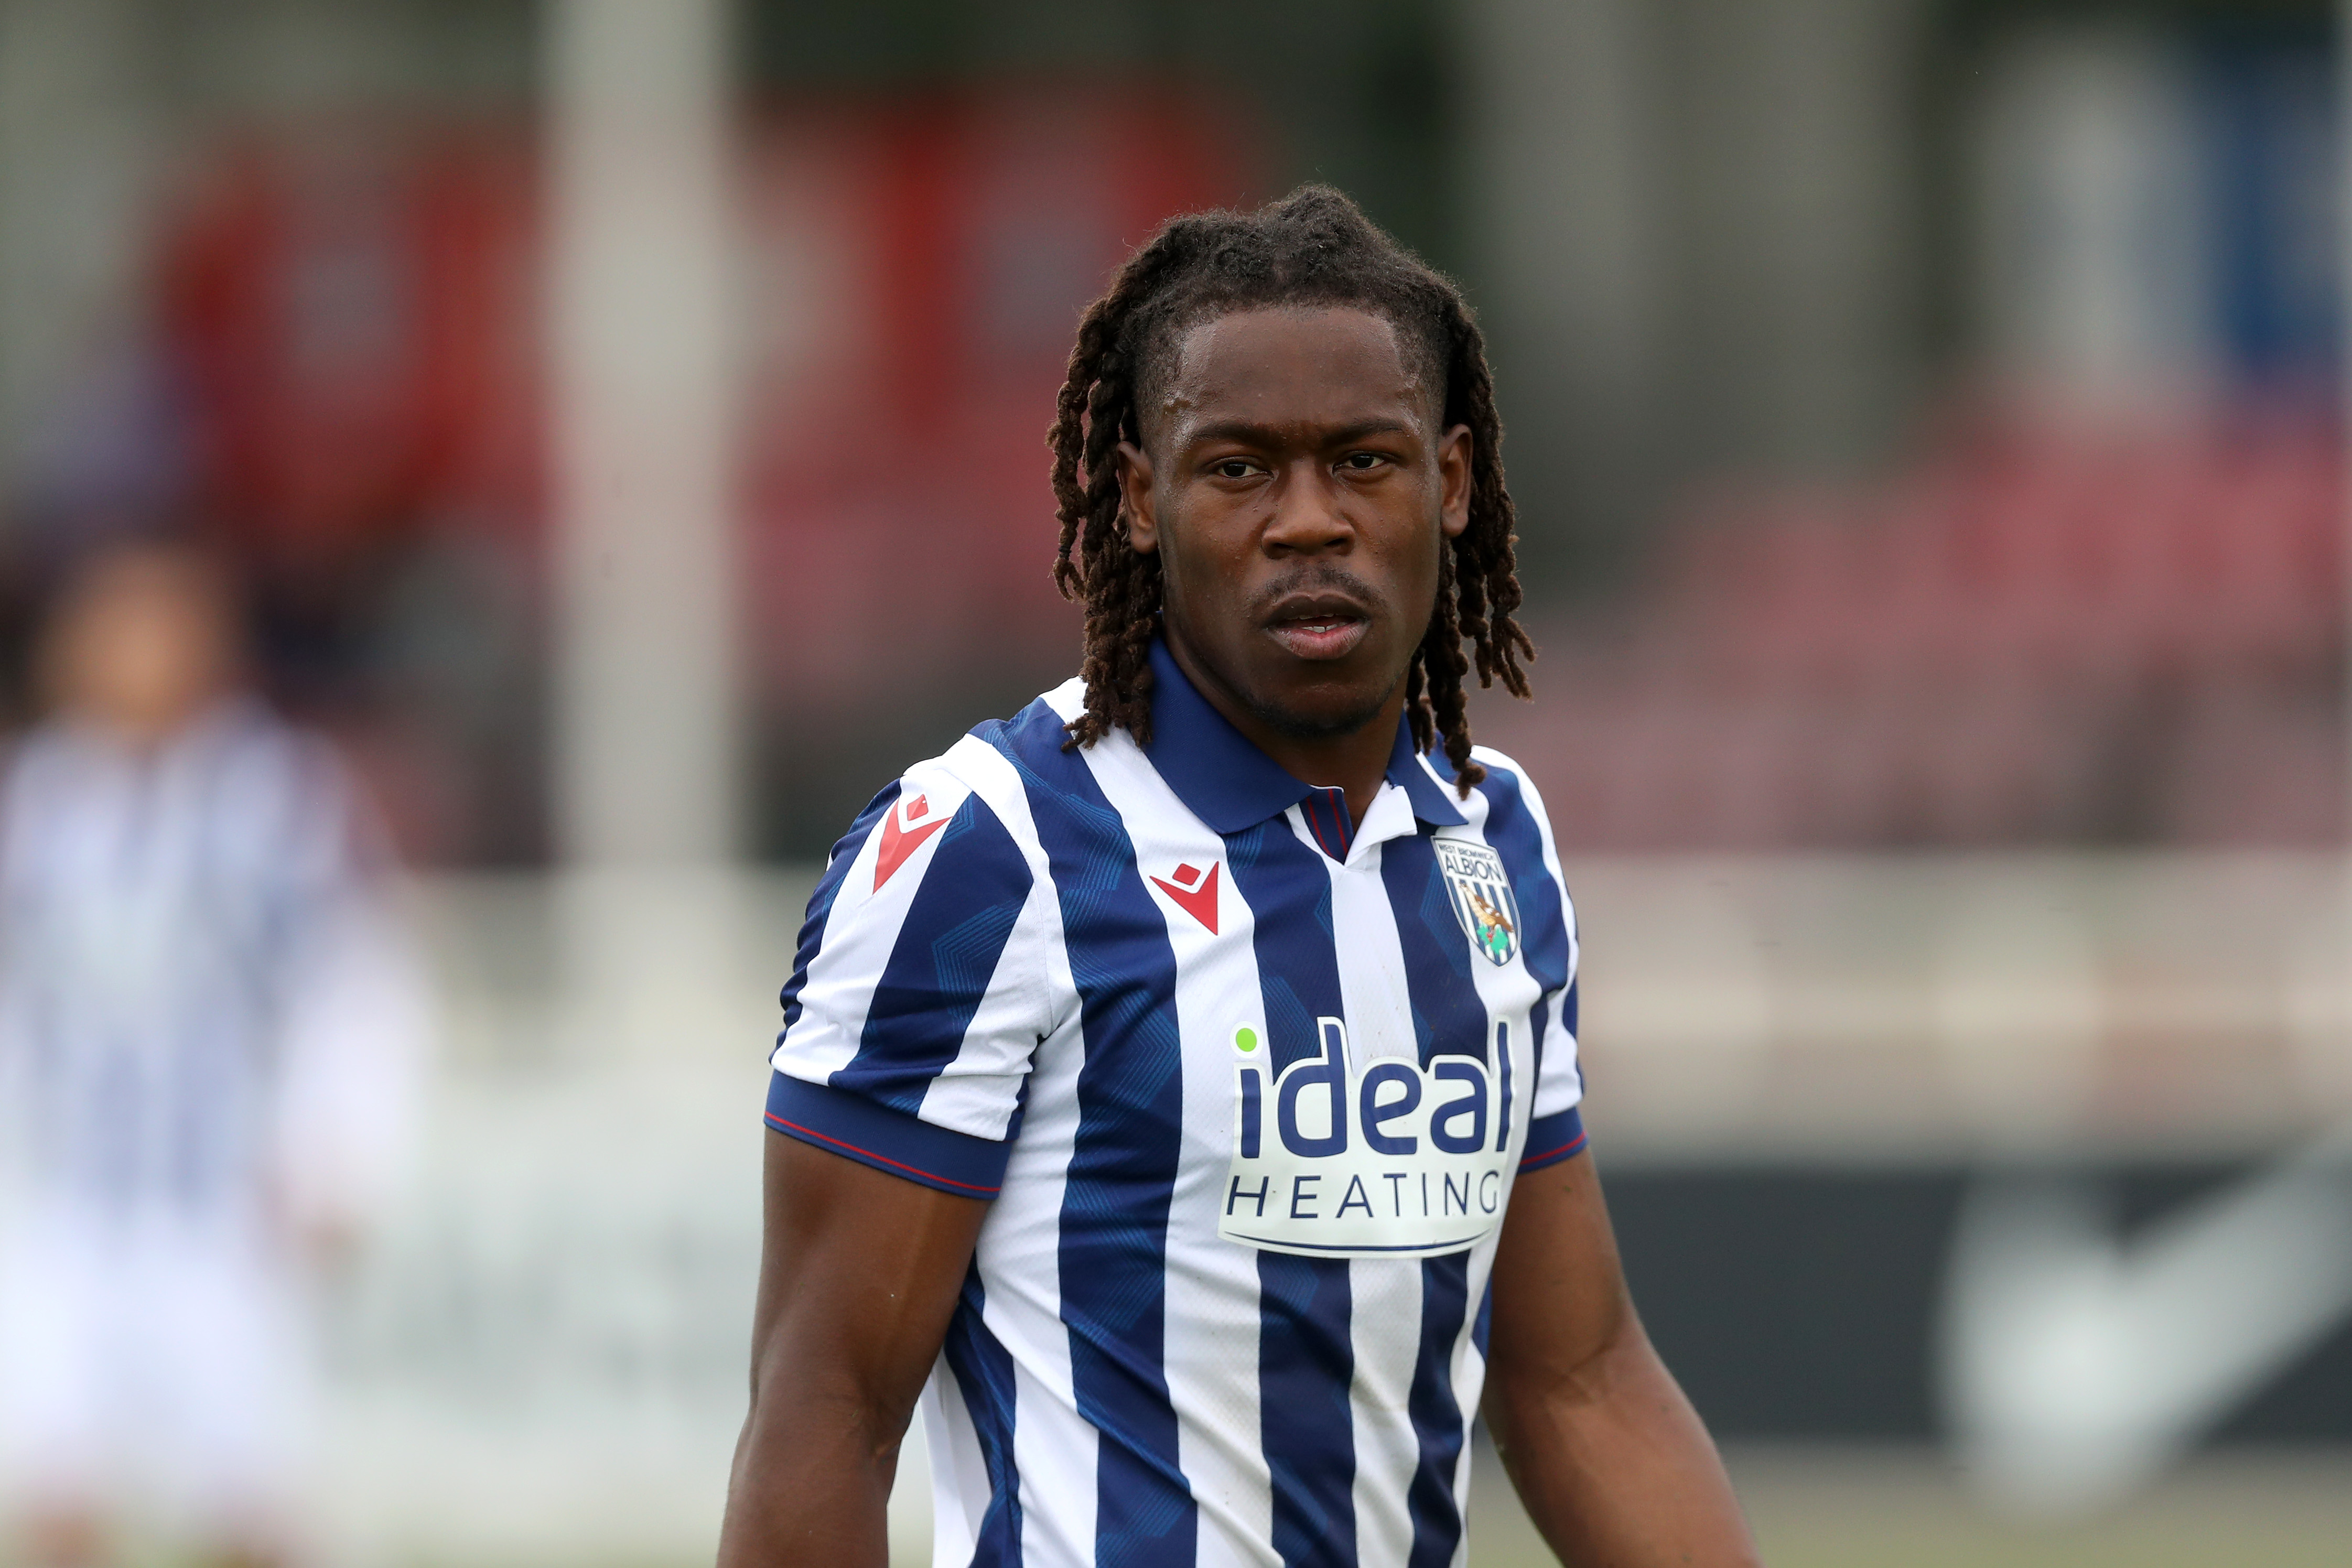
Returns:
<point x="1322" y="716"/>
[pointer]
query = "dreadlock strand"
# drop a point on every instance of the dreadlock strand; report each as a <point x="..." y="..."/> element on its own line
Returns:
<point x="1441" y="653"/>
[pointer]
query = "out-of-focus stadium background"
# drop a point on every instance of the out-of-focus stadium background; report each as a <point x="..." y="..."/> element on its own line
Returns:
<point x="1927" y="425"/>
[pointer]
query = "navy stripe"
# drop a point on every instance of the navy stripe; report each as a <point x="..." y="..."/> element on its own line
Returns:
<point x="1307" y="1357"/>
<point x="1306" y="1362"/>
<point x="957" y="925"/>
<point x="1449" y="1018"/>
<point x="889" y="1140"/>
<point x="983" y="1371"/>
<point x="1436" y="1413"/>
<point x="1122" y="1172"/>
<point x="820" y="905"/>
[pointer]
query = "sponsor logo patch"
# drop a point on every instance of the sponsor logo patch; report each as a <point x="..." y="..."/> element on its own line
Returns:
<point x="1391" y="1159"/>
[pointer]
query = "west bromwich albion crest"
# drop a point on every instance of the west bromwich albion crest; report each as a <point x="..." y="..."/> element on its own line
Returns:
<point x="1482" y="897"/>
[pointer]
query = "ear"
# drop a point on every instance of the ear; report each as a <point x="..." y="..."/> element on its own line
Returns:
<point x="1135" y="495"/>
<point x="1454" y="480"/>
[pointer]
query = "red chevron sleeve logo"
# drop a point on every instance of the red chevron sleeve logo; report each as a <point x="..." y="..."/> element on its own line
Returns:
<point x="904" y="829"/>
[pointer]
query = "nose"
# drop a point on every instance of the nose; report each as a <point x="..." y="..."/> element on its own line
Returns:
<point x="1308" y="516"/>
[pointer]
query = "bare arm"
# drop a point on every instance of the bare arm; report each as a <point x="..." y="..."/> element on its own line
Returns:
<point x="1609" y="1459"/>
<point x="858" y="1277"/>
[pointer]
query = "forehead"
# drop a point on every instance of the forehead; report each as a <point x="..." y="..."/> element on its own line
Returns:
<point x="1289" y="367"/>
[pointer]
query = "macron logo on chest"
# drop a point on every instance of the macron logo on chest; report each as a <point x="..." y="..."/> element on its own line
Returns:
<point x="1194" y="891"/>
<point x="904" y="829"/>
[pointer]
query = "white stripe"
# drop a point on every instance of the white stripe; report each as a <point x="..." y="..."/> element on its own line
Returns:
<point x="1563" y="1078"/>
<point x="1210" y="1346"/>
<point x="960" y="1488"/>
<point x="1019" y="1255"/>
<point x="978" y="1091"/>
<point x="1387" y="1446"/>
<point x="860" y="931"/>
<point x="1372" y="985"/>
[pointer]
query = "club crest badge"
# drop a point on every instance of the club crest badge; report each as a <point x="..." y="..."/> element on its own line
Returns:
<point x="1482" y="898"/>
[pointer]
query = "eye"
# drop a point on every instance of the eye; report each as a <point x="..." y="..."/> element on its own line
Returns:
<point x="1363" y="462"/>
<point x="1234" y="468"/>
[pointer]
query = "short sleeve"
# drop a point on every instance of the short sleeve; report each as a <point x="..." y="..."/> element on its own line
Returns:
<point x="917" y="995"/>
<point x="1516" y="826"/>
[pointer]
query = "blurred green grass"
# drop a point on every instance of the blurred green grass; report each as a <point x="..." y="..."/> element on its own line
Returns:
<point x="1897" y="1508"/>
<point x="1848" y="1508"/>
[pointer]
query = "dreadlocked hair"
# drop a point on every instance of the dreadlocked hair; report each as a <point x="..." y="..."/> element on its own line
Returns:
<point x="1315" y="248"/>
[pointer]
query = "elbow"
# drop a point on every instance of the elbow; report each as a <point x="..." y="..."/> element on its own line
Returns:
<point x="1524" y="1380"/>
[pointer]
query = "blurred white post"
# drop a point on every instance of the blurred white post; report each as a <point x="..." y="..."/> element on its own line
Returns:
<point x="1567" y="190"/>
<point x="647" y="746"/>
<point x="79" y="134"/>
<point x="2339" y="1061"/>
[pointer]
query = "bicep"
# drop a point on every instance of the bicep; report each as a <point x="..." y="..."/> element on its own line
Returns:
<point x="1560" y="1298"/>
<point x="858" y="1277"/>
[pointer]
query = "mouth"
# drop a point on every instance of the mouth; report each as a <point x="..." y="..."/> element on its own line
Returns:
<point x="1319" y="626"/>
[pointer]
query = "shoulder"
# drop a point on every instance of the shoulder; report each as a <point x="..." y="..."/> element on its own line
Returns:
<point x="1509" y="791"/>
<point x="967" y="808"/>
<point x="1510" y="815"/>
<point x="1505" y="804"/>
<point x="1033" y="741"/>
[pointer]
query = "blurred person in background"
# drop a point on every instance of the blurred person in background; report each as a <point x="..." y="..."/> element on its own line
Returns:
<point x="210" y="1027"/>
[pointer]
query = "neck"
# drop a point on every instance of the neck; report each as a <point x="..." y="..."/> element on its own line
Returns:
<point x="1355" y="762"/>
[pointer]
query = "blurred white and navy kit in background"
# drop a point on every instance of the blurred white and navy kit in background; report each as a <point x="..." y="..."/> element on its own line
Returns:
<point x="211" y="1022"/>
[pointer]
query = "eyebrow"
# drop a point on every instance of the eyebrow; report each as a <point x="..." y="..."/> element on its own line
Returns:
<point x="1251" y="433"/>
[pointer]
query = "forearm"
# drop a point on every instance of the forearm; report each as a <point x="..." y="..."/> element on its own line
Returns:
<point x="811" y="1484"/>
<point x="858" y="1277"/>
<point x="1613" y="1465"/>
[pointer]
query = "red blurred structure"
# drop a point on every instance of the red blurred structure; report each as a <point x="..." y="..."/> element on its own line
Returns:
<point x="921" y="271"/>
<point x="355" y="315"/>
<point x="2030" y="637"/>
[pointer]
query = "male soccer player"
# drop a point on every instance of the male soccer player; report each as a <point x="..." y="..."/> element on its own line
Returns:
<point x="1180" y="1075"/>
<point x="209" y="1022"/>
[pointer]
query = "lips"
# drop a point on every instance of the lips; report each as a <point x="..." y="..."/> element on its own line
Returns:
<point x="1319" y="626"/>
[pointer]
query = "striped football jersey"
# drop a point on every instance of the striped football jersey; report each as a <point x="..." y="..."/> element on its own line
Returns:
<point x="206" y="1003"/>
<point x="1247" y="1085"/>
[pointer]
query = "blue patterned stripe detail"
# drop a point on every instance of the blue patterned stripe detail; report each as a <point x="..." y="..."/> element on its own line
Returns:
<point x="957" y="925"/>
<point x="1436" y="1413"/>
<point x="984" y="1372"/>
<point x="1448" y="1016"/>
<point x="1552" y="1139"/>
<point x="891" y="1140"/>
<point x="1122" y="1172"/>
<point x="1306" y="1357"/>
<point x="1306" y="1362"/>
<point x="820" y="905"/>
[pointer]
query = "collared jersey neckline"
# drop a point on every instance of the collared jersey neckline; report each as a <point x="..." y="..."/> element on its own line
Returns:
<point x="1224" y="779"/>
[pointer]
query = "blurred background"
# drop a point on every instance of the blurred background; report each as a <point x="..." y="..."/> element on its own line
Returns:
<point x="625" y="420"/>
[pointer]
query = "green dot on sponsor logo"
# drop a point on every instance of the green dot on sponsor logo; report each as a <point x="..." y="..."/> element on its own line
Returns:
<point x="1246" y="1038"/>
